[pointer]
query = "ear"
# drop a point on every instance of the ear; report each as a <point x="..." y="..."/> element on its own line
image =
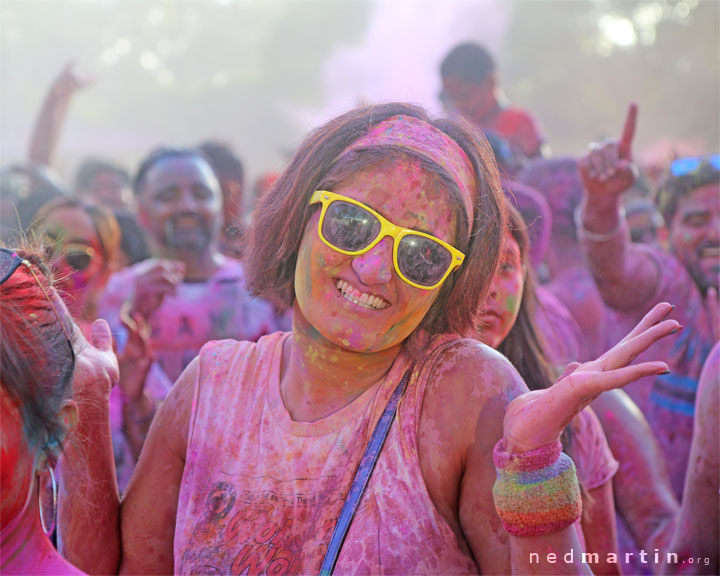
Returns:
<point x="663" y="234"/>
<point x="67" y="418"/>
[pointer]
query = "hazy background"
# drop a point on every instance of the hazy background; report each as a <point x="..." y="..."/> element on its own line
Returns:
<point x="260" y="74"/>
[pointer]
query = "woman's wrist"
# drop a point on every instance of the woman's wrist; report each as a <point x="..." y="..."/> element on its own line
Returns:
<point x="537" y="491"/>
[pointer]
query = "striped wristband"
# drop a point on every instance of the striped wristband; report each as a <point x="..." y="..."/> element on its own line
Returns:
<point x="536" y="492"/>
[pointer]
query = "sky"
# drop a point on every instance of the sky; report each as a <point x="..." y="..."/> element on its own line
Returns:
<point x="260" y="74"/>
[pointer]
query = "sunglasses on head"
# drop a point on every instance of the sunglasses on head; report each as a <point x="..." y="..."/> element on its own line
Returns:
<point x="685" y="166"/>
<point x="9" y="263"/>
<point x="350" y="227"/>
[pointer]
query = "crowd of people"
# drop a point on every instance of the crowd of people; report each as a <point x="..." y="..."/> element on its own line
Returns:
<point x="432" y="349"/>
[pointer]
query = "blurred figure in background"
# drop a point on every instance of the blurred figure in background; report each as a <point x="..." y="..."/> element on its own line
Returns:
<point x="24" y="188"/>
<point x="187" y="294"/>
<point x="632" y="277"/>
<point x="105" y="183"/>
<point x="471" y="87"/>
<point x="231" y="175"/>
<point x="99" y="180"/>
<point x="568" y="278"/>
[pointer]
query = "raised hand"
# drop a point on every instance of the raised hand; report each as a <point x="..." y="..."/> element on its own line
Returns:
<point x="157" y="279"/>
<point x="539" y="417"/>
<point x="69" y="82"/>
<point x="136" y="357"/>
<point x="96" y="366"/>
<point x="607" y="168"/>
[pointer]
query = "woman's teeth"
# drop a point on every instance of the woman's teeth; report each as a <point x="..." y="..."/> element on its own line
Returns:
<point x="351" y="293"/>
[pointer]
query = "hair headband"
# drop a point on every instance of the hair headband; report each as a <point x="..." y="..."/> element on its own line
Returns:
<point x="422" y="138"/>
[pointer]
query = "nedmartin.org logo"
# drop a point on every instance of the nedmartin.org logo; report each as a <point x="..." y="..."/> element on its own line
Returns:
<point x="611" y="558"/>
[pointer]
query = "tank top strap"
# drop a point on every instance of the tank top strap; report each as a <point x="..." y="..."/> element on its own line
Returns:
<point x="412" y="403"/>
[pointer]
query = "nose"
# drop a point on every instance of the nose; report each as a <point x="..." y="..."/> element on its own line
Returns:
<point x="376" y="265"/>
<point x="493" y="292"/>
<point x="187" y="202"/>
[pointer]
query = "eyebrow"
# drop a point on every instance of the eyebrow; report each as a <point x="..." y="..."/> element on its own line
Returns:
<point x="173" y="187"/>
<point x="700" y="212"/>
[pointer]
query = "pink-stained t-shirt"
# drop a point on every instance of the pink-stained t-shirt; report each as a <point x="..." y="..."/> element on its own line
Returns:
<point x="591" y="453"/>
<point x="261" y="493"/>
<point x="668" y="401"/>
<point x="198" y="312"/>
<point x="520" y="129"/>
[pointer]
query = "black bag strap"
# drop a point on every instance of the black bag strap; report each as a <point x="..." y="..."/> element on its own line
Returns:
<point x="362" y="477"/>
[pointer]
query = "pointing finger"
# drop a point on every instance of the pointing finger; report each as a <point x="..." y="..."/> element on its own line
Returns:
<point x="625" y="148"/>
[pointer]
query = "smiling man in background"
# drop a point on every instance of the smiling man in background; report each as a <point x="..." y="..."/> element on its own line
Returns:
<point x="187" y="294"/>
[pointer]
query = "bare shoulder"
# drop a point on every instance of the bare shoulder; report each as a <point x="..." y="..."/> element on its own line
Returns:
<point x="469" y="387"/>
<point x="469" y="378"/>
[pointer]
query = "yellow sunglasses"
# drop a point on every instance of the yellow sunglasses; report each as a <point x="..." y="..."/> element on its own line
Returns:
<point x="350" y="227"/>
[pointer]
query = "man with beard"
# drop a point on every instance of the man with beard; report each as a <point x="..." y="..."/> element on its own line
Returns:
<point x="632" y="277"/>
<point x="188" y="294"/>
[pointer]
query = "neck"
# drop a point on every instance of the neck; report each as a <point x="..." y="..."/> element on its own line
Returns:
<point x="491" y="114"/>
<point x="319" y="378"/>
<point x="24" y="547"/>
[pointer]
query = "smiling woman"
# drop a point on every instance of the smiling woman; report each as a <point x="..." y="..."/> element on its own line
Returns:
<point x="382" y="234"/>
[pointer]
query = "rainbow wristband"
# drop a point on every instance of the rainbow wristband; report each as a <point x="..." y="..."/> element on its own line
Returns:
<point x="536" y="492"/>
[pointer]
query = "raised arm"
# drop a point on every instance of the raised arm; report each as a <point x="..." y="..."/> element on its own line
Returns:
<point x="649" y="508"/>
<point x="150" y="505"/>
<point x="92" y="518"/>
<point x="697" y="533"/>
<point x="46" y="131"/>
<point x="626" y="277"/>
<point x="534" y="421"/>
<point x="88" y="501"/>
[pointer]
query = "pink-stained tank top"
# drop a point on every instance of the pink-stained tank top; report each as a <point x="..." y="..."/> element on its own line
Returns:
<point x="261" y="493"/>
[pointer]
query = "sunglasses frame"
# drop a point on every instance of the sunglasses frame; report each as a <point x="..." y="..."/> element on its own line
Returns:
<point x="387" y="228"/>
<point x="685" y="166"/>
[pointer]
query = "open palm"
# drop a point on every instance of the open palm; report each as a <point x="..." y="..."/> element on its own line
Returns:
<point x="539" y="417"/>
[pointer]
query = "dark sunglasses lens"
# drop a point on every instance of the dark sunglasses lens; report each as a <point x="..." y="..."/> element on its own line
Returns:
<point x="7" y="265"/>
<point x="422" y="260"/>
<point x="349" y="227"/>
<point x="78" y="260"/>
